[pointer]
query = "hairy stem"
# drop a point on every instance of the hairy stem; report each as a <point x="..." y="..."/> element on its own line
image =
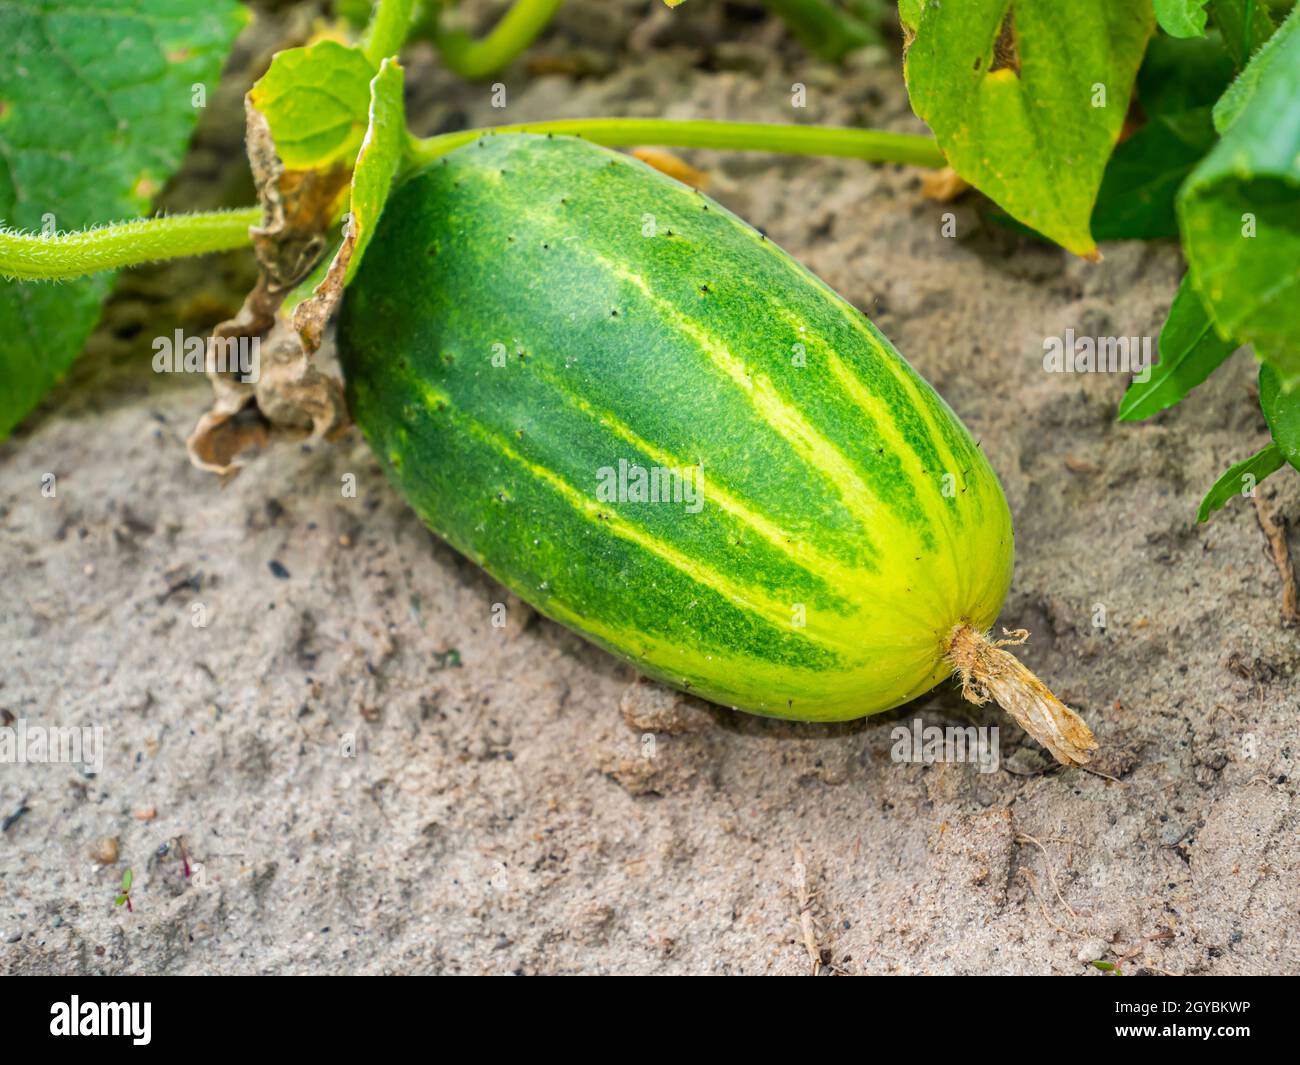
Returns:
<point x="516" y="30"/>
<point x="388" y="28"/>
<point x="35" y="257"/>
<point x="876" y="146"/>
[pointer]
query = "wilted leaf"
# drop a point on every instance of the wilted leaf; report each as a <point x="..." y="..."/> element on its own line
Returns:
<point x="90" y="131"/>
<point x="1190" y="350"/>
<point x="291" y="391"/>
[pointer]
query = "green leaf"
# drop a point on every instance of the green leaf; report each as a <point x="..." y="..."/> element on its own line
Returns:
<point x="1027" y="104"/>
<point x="1239" y="213"/>
<point x="909" y="14"/>
<point x="1240" y="479"/>
<point x="119" y="900"/>
<point x="379" y="159"/>
<point x="127" y="878"/>
<point x="1178" y="83"/>
<point x="1282" y="412"/>
<point x="1245" y="25"/>
<point x="1241" y="91"/>
<point x="316" y="101"/>
<point x="1190" y="350"/>
<point x="1181" y="18"/>
<point x="97" y="103"/>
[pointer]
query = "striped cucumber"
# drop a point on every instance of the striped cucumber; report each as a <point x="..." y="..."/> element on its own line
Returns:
<point x="659" y="429"/>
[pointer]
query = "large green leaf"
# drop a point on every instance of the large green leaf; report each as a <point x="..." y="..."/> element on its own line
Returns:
<point x="97" y="103"/>
<point x="1239" y="212"/>
<point x="1178" y="85"/>
<point x="1190" y="350"/>
<point x="1027" y="102"/>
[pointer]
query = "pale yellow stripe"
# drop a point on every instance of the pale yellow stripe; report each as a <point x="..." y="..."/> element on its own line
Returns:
<point x="891" y="361"/>
<point x="778" y="613"/>
<point x="786" y="420"/>
<point x="799" y="551"/>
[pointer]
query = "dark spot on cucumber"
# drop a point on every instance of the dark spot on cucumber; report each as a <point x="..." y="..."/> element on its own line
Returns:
<point x="614" y="313"/>
<point x="704" y="289"/>
<point x="545" y="246"/>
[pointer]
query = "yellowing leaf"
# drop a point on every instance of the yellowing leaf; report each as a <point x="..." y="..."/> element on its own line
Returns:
<point x="1028" y="102"/>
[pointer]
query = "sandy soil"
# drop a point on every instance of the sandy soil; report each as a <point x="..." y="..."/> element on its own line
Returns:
<point x="374" y="779"/>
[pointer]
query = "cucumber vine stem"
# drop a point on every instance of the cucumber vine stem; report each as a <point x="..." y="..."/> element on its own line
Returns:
<point x="35" y="257"/>
<point x="389" y="25"/>
<point x="877" y="146"/>
<point x="514" y="32"/>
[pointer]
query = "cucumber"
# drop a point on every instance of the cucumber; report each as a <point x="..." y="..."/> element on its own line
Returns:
<point x="656" y="427"/>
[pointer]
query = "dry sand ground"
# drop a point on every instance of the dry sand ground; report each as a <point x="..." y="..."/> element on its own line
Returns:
<point x="498" y="815"/>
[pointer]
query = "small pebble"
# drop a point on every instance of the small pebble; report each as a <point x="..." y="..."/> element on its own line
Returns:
<point x="278" y="571"/>
<point x="106" y="850"/>
<point x="13" y="937"/>
<point x="1092" y="950"/>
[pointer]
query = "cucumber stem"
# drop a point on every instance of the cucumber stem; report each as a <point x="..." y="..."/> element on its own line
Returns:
<point x="515" y="31"/>
<point x="988" y="672"/>
<point x="386" y="34"/>
<point x="35" y="257"/>
<point x="871" y="145"/>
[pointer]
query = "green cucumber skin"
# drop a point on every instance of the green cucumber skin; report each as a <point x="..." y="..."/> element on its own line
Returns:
<point x="849" y="521"/>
